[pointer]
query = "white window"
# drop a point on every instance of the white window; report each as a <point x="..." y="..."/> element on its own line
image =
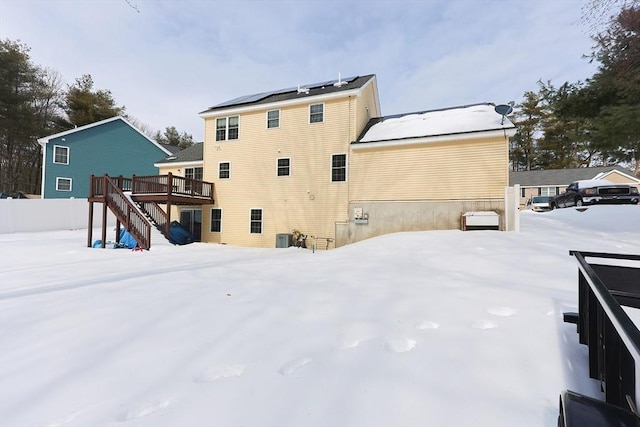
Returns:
<point x="547" y="191"/>
<point x="224" y="170"/>
<point x="273" y="119"/>
<point x="227" y="128"/>
<point x="256" y="221"/>
<point x="63" y="184"/>
<point x="216" y="220"/>
<point x="284" y="167"/>
<point x="193" y="173"/>
<point x="316" y="113"/>
<point x="338" y="167"/>
<point x="60" y="155"/>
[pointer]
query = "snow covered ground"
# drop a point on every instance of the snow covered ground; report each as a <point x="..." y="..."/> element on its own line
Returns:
<point x="441" y="328"/>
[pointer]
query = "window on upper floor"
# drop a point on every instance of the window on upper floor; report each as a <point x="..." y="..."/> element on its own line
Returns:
<point x="284" y="167"/>
<point x="224" y="170"/>
<point x="60" y="155"/>
<point x="338" y="167"/>
<point x="273" y="119"/>
<point x="256" y="221"/>
<point x="227" y="128"/>
<point x="64" y="184"/>
<point x="316" y="113"/>
<point x="216" y="220"/>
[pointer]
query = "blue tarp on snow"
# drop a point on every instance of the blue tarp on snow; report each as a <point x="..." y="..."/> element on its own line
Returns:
<point x="179" y="235"/>
<point x="127" y="239"/>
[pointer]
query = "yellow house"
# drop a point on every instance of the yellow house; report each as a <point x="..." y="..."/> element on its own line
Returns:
<point x="322" y="160"/>
<point x="278" y="160"/>
<point x="423" y="171"/>
<point x="186" y="163"/>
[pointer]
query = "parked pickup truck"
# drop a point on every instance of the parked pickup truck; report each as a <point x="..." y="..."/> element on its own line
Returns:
<point x="595" y="191"/>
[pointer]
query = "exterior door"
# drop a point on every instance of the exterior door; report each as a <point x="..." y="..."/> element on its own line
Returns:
<point x="191" y="219"/>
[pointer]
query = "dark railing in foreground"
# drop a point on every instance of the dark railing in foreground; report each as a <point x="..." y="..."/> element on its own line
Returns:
<point x="612" y="338"/>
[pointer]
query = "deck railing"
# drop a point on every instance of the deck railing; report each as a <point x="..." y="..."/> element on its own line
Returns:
<point x="171" y="185"/>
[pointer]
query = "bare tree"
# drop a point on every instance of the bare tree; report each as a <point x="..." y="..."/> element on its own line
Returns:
<point x="597" y="14"/>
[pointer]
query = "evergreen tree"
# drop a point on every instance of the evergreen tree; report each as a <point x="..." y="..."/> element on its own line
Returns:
<point x="29" y="108"/>
<point x="85" y="105"/>
<point x="528" y="119"/>
<point x="566" y="142"/>
<point x="171" y="136"/>
<point x="616" y="125"/>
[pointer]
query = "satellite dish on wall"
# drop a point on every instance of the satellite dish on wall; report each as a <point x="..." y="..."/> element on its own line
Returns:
<point x="504" y="110"/>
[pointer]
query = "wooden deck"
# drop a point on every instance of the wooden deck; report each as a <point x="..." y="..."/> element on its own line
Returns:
<point x="162" y="189"/>
<point x="148" y="193"/>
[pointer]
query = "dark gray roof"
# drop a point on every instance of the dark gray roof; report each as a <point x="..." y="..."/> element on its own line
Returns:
<point x="314" y="89"/>
<point x="189" y="154"/>
<point x="172" y="148"/>
<point x="558" y="177"/>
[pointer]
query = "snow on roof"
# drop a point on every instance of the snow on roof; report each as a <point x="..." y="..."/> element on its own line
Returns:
<point x="474" y="118"/>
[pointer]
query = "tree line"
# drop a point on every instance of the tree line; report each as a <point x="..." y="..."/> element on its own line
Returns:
<point x="34" y="102"/>
<point x="590" y="123"/>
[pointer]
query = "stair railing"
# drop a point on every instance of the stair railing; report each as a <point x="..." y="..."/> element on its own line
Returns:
<point x="157" y="215"/>
<point x="128" y="215"/>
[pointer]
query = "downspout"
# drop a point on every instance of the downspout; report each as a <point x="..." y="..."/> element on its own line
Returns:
<point x="43" y="144"/>
<point x="349" y="161"/>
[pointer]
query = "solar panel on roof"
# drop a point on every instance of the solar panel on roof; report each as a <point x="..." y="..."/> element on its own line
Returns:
<point x="331" y="82"/>
<point x="245" y="99"/>
<point x="259" y="96"/>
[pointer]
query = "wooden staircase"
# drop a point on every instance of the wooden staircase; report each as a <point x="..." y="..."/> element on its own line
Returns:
<point x="140" y="210"/>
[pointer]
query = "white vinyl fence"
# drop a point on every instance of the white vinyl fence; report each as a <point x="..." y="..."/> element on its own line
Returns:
<point x="24" y="215"/>
<point x="512" y="208"/>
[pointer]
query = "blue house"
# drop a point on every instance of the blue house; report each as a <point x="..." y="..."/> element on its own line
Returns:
<point x="112" y="146"/>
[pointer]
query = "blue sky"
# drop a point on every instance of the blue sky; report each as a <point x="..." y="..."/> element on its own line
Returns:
<point x="169" y="60"/>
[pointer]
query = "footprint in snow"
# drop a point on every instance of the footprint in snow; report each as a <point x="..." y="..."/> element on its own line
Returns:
<point x="293" y="365"/>
<point x="142" y="410"/>
<point x="62" y="421"/>
<point x="217" y="372"/>
<point x="354" y="334"/>
<point x="427" y="325"/>
<point x="485" y="324"/>
<point x="502" y="311"/>
<point x="399" y="345"/>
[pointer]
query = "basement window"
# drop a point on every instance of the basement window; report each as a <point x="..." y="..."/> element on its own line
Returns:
<point x="216" y="220"/>
<point x="256" y="221"/>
